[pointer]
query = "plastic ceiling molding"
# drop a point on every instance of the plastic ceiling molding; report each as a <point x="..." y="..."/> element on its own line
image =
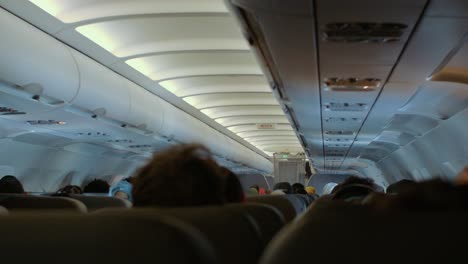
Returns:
<point x="193" y="49"/>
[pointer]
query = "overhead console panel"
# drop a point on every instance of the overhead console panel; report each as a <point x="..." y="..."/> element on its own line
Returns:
<point x="329" y="64"/>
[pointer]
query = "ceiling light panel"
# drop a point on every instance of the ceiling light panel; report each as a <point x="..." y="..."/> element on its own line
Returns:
<point x="176" y="65"/>
<point x="72" y="11"/>
<point x="248" y="110"/>
<point x="264" y="133"/>
<point x="272" y="139"/>
<point x="183" y="87"/>
<point x="145" y="35"/>
<point x="217" y="100"/>
<point x="254" y="127"/>
<point x="241" y="120"/>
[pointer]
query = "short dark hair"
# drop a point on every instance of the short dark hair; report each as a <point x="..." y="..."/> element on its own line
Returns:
<point x="10" y="184"/>
<point x="233" y="187"/>
<point x="400" y="186"/>
<point x="353" y="189"/>
<point x="70" y="189"/>
<point x="433" y="195"/>
<point x="184" y="175"/>
<point x="284" y="186"/>
<point x="298" y="188"/>
<point x="96" y="186"/>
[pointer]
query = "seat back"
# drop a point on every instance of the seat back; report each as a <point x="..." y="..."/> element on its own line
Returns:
<point x="99" y="202"/>
<point x="3" y="211"/>
<point x="269" y="219"/>
<point x="233" y="233"/>
<point x="339" y="232"/>
<point x="91" y="238"/>
<point x="15" y="202"/>
<point x="289" y="207"/>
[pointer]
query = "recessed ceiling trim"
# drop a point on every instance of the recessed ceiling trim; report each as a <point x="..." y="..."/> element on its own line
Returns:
<point x="168" y="52"/>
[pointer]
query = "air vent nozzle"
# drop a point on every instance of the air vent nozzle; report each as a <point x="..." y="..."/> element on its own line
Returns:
<point x="10" y="111"/>
<point x="352" y="84"/>
<point x="342" y="119"/>
<point x="363" y="32"/>
<point x="339" y="132"/>
<point x="345" y="107"/>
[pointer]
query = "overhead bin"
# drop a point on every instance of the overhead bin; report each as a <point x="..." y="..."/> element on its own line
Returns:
<point x="145" y="108"/>
<point x="100" y="88"/>
<point x="30" y="58"/>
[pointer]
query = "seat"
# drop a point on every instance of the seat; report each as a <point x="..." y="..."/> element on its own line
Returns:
<point x="306" y="199"/>
<point x="3" y="211"/>
<point x="269" y="219"/>
<point x="289" y="207"/>
<point x="339" y="232"/>
<point x="233" y="233"/>
<point x="14" y="202"/>
<point x="98" y="202"/>
<point x="97" y="239"/>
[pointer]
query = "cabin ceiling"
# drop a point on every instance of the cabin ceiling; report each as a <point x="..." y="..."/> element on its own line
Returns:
<point x="349" y="77"/>
<point x="192" y="49"/>
<point x="354" y="87"/>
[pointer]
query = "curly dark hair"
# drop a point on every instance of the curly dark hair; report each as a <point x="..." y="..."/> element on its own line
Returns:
<point x="184" y="175"/>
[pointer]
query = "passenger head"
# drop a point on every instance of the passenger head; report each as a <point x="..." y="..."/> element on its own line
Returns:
<point x="462" y="177"/>
<point x="233" y="188"/>
<point x="353" y="189"/>
<point x="97" y="186"/>
<point x="298" y="188"/>
<point x="429" y="196"/>
<point x="184" y="175"/>
<point x="10" y="184"/>
<point x="122" y="190"/>
<point x="400" y="186"/>
<point x="256" y="187"/>
<point x="310" y="190"/>
<point x="283" y="186"/>
<point x="70" y="189"/>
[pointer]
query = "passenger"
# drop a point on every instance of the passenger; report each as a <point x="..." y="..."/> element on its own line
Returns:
<point x="310" y="190"/>
<point x="233" y="188"/>
<point x="283" y="186"/>
<point x="122" y="190"/>
<point x="328" y="188"/>
<point x="354" y="189"/>
<point x="256" y="187"/>
<point x="10" y="184"/>
<point x="184" y="175"/>
<point x="429" y="196"/>
<point x="298" y="188"/>
<point x="70" y="189"/>
<point x="462" y="177"/>
<point x="262" y="191"/>
<point x="278" y="192"/>
<point x="97" y="186"/>
<point x="254" y="190"/>
<point x="400" y="186"/>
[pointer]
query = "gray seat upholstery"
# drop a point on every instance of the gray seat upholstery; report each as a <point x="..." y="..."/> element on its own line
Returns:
<point x="15" y="202"/>
<point x="233" y="233"/>
<point x="99" y="202"/>
<point x="289" y="206"/>
<point x="269" y="219"/>
<point x="339" y="232"/>
<point x="91" y="238"/>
